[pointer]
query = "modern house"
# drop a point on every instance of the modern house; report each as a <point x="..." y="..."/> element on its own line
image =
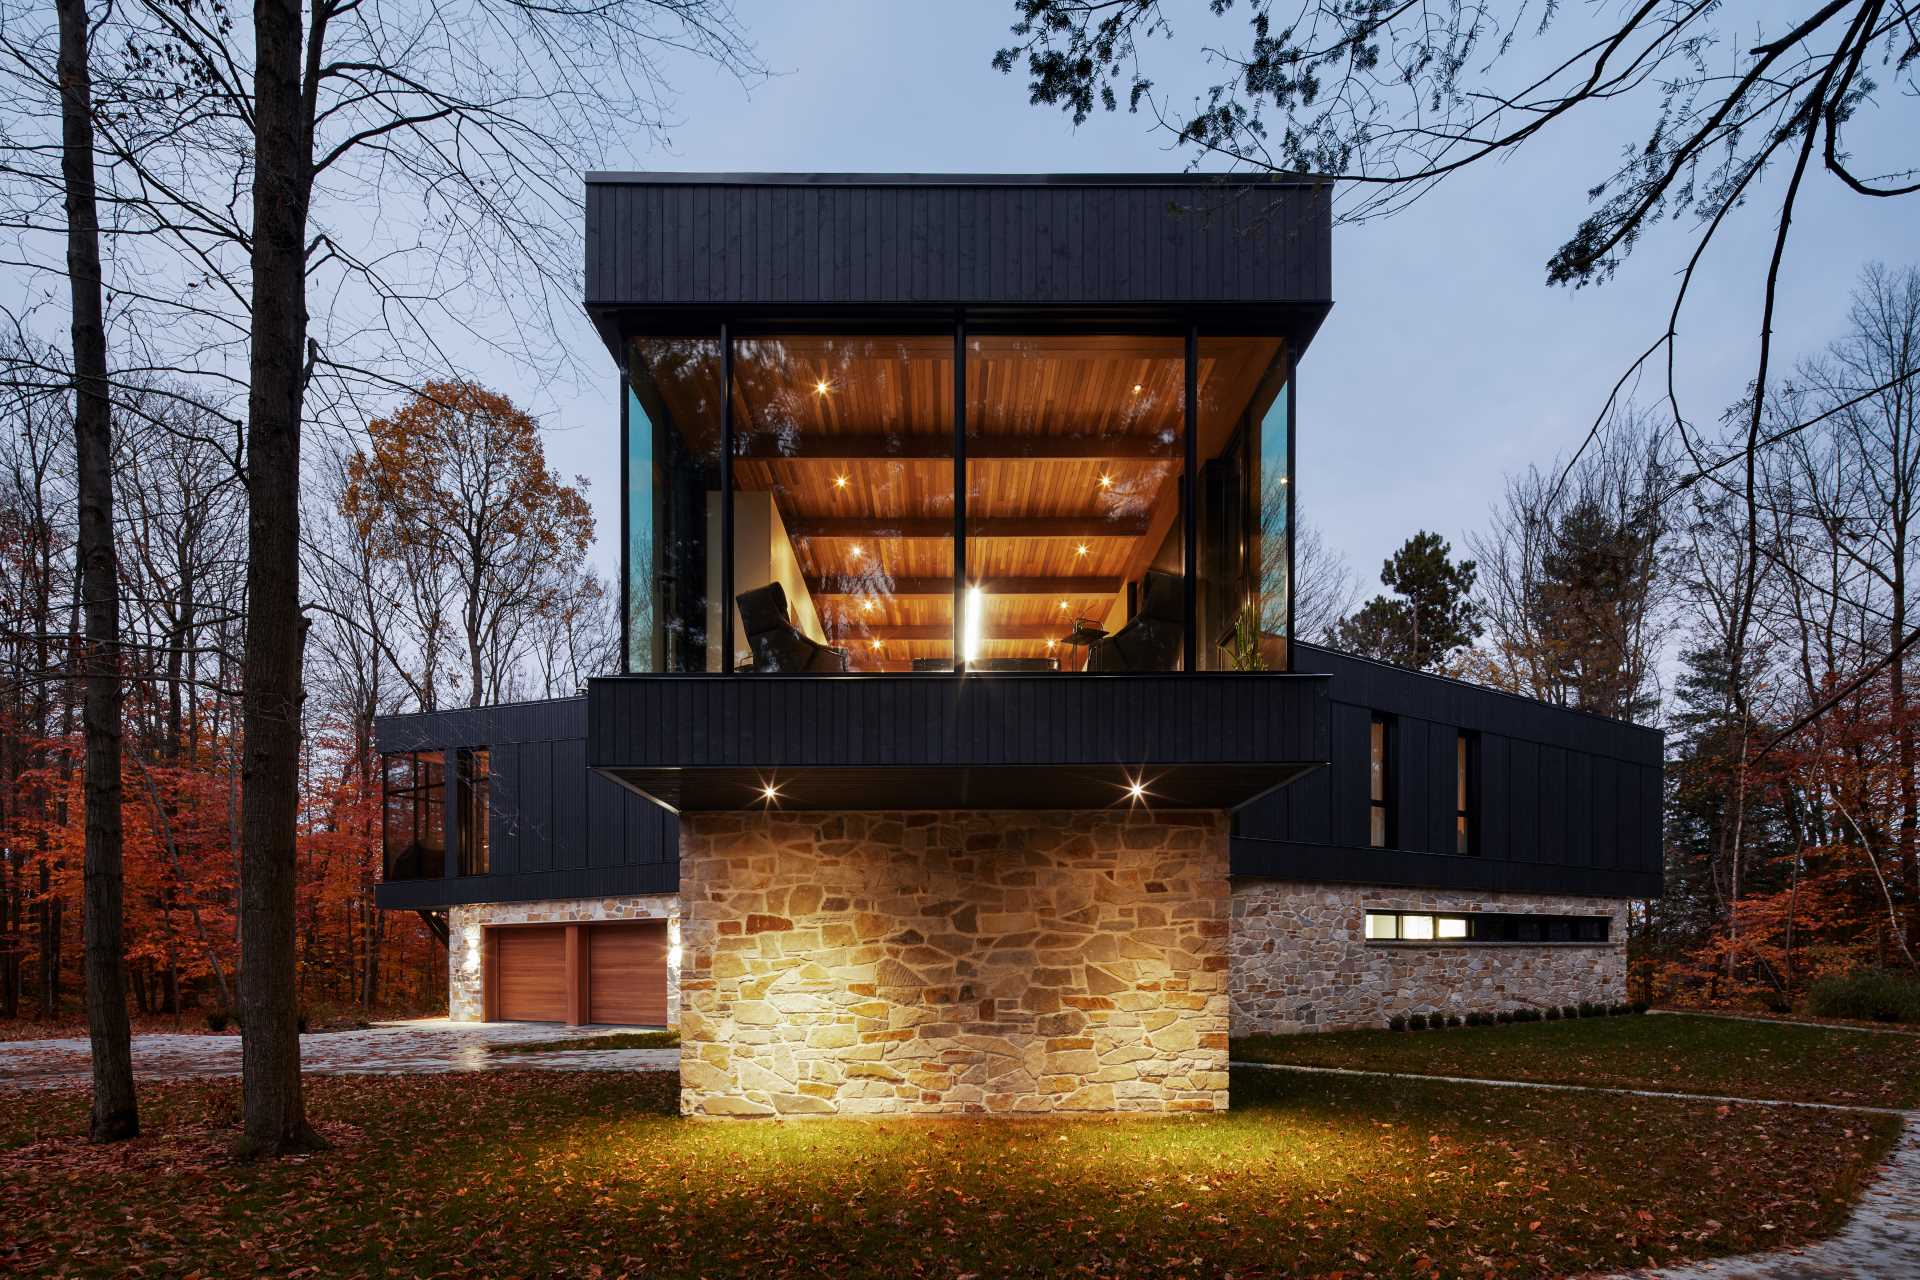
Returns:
<point x="965" y="758"/>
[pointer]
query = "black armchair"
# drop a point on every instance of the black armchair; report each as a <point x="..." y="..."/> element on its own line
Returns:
<point x="1150" y="641"/>
<point x="776" y="643"/>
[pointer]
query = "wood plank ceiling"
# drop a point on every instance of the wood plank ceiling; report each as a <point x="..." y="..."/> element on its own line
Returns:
<point x="1073" y="464"/>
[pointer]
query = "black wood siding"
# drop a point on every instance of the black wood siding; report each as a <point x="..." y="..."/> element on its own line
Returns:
<point x="721" y="721"/>
<point x="1567" y="803"/>
<point x="662" y="240"/>
<point x="557" y="829"/>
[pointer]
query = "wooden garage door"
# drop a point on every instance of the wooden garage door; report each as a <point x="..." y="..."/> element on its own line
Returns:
<point x="530" y="972"/>
<point x="627" y="973"/>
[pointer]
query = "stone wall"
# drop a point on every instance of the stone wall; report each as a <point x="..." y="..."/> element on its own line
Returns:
<point x="973" y="963"/>
<point x="1301" y="961"/>
<point x="465" y="1001"/>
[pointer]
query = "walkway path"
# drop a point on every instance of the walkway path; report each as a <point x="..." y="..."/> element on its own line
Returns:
<point x="427" y="1045"/>
<point x="1880" y="1241"/>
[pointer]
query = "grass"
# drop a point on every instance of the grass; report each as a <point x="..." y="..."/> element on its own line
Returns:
<point x="522" y="1173"/>
<point x="611" y="1040"/>
<point x="1679" y="1053"/>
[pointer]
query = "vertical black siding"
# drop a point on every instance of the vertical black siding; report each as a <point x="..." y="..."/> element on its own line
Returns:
<point x="556" y="829"/>
<point x="663" y="240"/>
<point x="1567" y="803"/>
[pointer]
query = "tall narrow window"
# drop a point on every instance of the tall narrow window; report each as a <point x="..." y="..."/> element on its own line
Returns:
<point x="413" y="829"/>
<point x="1463" y="816"/>
<point x="1380" y="782"/>
<point x="476" y="777"/>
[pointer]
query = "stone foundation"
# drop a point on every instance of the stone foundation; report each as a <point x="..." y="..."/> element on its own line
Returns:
<point x="1301" y="961"/>
<point x="942" y="963"/>
<point x="465" y="999"/>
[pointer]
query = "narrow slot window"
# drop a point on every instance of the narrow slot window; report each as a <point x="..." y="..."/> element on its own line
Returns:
<point x="1380" y="816"/>
<point x="1465" y="837"/>
<point x="475" y="785"/>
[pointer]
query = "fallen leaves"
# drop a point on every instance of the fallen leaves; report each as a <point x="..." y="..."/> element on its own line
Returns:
<point x="560" y="1174"/>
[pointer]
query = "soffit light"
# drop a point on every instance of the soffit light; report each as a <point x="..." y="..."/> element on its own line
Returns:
<point x="1137" y="790"/>
<point x="1106" y="480"/>
<point x="769" y="792"/>
<point x="856" y="551"/>
<point x="1063" y="604"/>
<point x="1080" y="550"/>
<point x="866" y="606"/>
<point x="821" y="387"/>
<point x="840" y="482"/>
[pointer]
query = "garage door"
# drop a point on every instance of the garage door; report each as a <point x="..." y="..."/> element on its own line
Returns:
<point x="530" y="970"/>
<point x="627" y="973"/>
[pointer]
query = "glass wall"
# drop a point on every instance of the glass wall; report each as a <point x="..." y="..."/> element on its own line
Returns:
<point x="843" y="503"/>
<point x="673" y="432"/>
<point x="1246" y="496"/>
<point x="414" y="824"/>
<point x="841" y="554"/>
<point x="1075" y="555"/>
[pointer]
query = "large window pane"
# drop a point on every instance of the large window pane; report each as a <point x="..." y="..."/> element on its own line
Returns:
<point x="1074" y="457"/>
<point x="843" y="503"/>
<point x="1246" y="508"/>
<point x="414" y="841"/>
<point x="672" y="545"/>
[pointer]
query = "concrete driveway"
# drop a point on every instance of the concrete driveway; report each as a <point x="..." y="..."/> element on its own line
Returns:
<point x="421" y="1046"/>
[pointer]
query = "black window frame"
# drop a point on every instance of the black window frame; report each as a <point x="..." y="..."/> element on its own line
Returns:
<point x="425" y="788"/>
<point x="1497" y="927"/>
<point x="475" y="804"/>
<point x="1192" y="324"/>
<point x="1382" y="817"/>
<point x="1466" y="797"/>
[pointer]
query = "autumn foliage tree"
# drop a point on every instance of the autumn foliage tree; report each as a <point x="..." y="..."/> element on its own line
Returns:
<point x="454" y="491"/>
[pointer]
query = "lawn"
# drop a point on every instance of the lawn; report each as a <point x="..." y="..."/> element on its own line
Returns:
<point x="515" y="1173"/>
<point x="1679" y="1052"/>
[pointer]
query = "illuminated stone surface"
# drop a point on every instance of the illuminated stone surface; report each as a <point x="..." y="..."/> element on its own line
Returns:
<point x="942" y="963"/>
<point x="1301" y="961"/>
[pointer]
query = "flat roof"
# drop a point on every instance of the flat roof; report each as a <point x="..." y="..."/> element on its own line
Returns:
<point x="677" y="178"/>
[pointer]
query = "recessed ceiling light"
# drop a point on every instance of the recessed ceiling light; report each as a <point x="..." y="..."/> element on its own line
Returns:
<point x="1136" y="388"/>
<point x="879" y="644"/>
<point x="1106" y="481"/>
<point x="1136" y="790"/>
<point x="821" y="387"/>
<point x="856" y="551"/>
<point x="769" y="792"/>
<point x="866" y="606"/>
<point x="1063" y="604"/>
<point x="1080" y="550"/>
<point x="839" y="482"/>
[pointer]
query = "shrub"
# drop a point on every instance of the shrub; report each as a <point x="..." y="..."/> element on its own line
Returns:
<point x="1397" y="1022"/>
<point x="1870" y="994"/>
<point x="1588" y="1009"/>
<point x="1638" y="1006"/>
<point x="217" y="1019"/>
<point x="1504" y="1016"/>
<point x="1453" y="1020"/>
<point x="1620" y="1010"/>
<point x="1553" y="1013"/>
<point x="1417" y="1022"/>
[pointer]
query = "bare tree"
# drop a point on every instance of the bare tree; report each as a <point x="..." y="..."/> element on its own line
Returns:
<point x="115" y="1115"/>
<point x="1324" y="588"/>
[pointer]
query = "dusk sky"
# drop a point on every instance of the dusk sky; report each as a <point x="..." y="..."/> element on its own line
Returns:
<point x="1447" y="362"/>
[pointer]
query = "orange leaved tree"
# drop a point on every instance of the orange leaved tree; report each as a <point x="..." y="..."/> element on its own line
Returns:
<point x="456" y="492"/>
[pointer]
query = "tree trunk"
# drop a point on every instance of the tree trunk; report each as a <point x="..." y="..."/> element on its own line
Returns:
<point x="115" y="1114"/>
<point x="273" y="1110"/>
